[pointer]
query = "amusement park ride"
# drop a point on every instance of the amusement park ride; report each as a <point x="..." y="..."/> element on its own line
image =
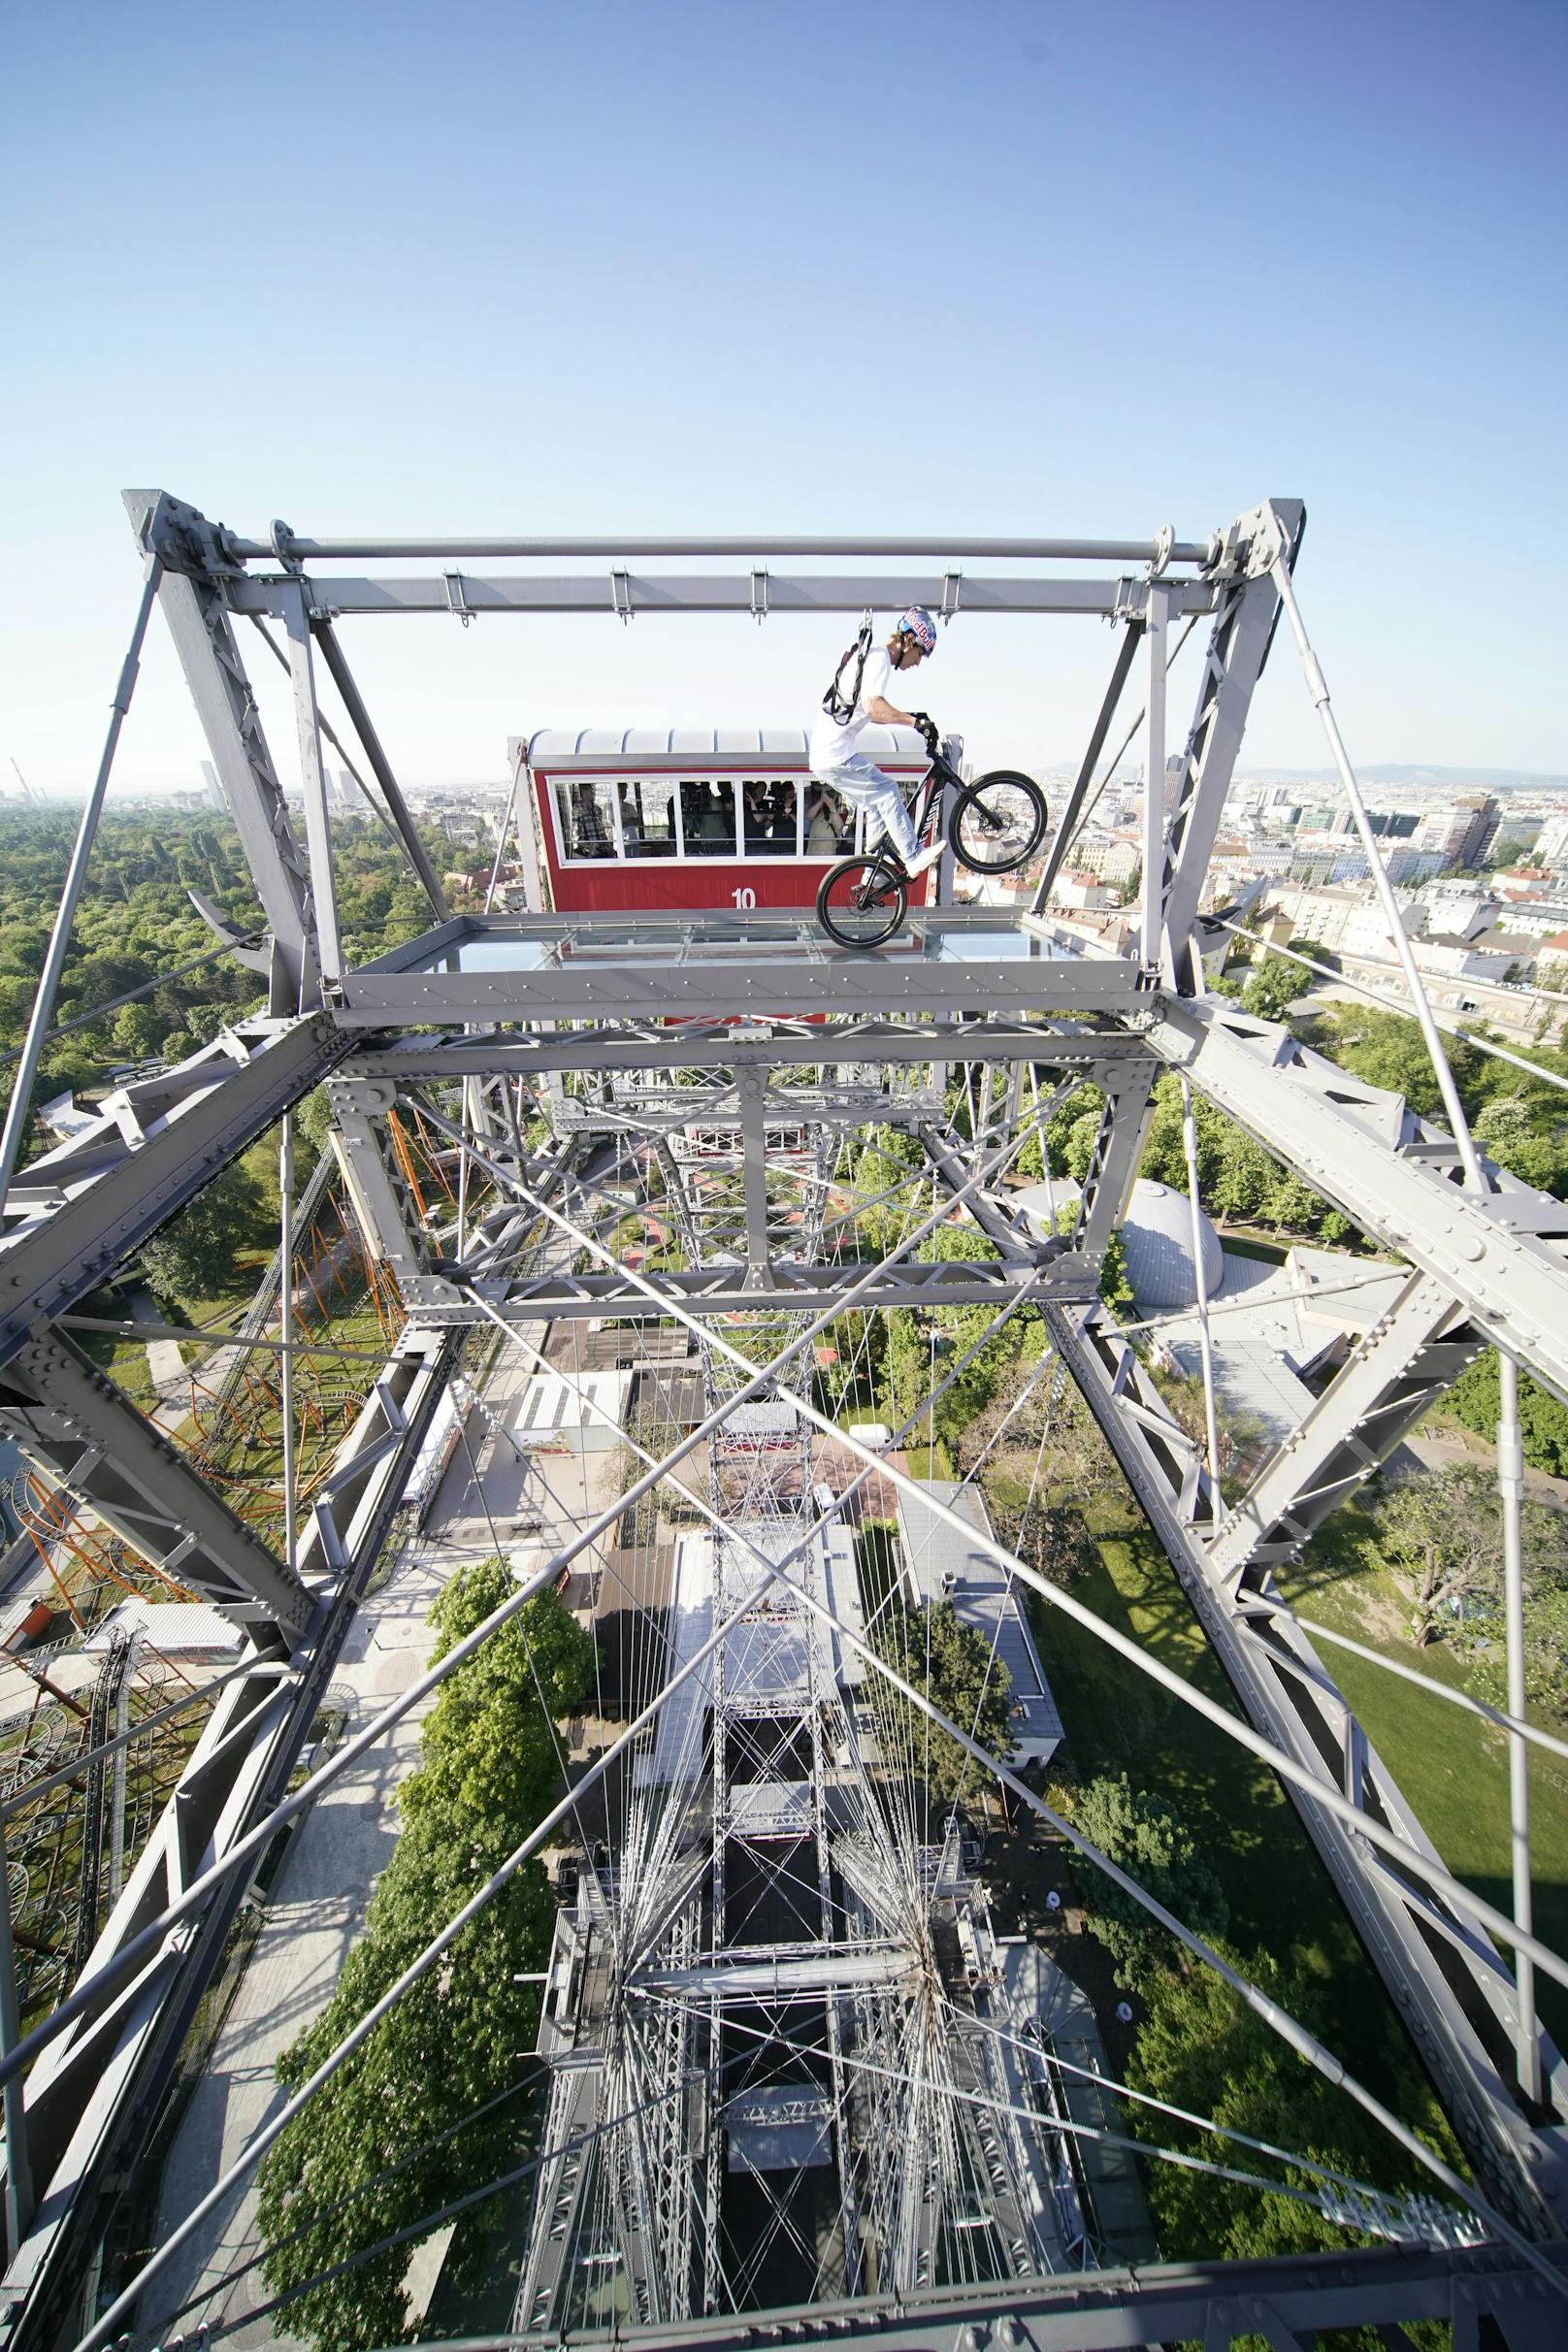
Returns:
<point x="797" y="2084"/>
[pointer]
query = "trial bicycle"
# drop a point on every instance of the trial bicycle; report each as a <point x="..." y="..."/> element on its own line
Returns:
<point x="995" y="825"/>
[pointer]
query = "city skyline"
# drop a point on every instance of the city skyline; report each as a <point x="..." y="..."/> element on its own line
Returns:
<point x="533" y="293"/>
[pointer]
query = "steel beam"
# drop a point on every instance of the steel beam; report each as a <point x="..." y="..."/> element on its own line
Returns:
<point x="1290" y="2302"/>
<point x="193" y="606"/>
<point x="1237" y="649"/>
<point x="384" y="1208"/>
<point x="290" y="546"/>
<point x="1393" y="1374"/>
<point x="86" y="1435"/>
<point x="948" y="961"/>
<point x="729" y="1045"/>
<point x="95" y="2092"/>
<point x="801" y="1289"/>
<point x="1500" y="1256"/>
<point x="76" y="1213"/>
<point x="620" y="593"/>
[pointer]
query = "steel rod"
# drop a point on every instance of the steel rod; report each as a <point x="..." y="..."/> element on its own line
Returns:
<point x="363" y="726"/>
<point x="18" y="2166"/>
<point x="1350" y="1817"/>
<point x="1201" y="1281"/>
<point x="292" y="545"/>
<point x="19" y="1109"/>
<point x="1317" y="688"/>
<point x="142" y="1945"/>
<point x="285" y="1260"/>
<point x="1511" y="1491"/>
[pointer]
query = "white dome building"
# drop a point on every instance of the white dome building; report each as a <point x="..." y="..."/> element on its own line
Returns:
<point x="1157" y="1235"/>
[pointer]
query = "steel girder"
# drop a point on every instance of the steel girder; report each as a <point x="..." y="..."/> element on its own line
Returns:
<point x="84" y="1433"/>
<point x="1451" y="1987"/>
<point x="193" y="604"/>
<point x="708" y="967"/>
<point x="96" y="2091"/>
<point x="79" y="1212"/>
<point x="626" y="594"/>
<point x="1393" y="1374"/>
<point x="1501" y="1257"/>
<point x="1232" y="664"/>
<point x="801" y="1290"/>
<point x="729" y="1044"/>
<point x="1290" y="2302"/>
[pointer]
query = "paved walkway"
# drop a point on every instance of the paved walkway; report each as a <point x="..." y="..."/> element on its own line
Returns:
<point x="317" y="1909"/>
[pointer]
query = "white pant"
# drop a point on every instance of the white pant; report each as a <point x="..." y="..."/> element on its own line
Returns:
<point x="865" y="786"/>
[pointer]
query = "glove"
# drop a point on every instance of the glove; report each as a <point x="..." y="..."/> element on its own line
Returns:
<point x="926" y="726"/>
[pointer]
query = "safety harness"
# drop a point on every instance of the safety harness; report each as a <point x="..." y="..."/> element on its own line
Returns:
<point x="841" y="706"/>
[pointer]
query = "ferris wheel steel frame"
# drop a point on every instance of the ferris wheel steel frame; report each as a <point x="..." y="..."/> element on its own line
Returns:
<point x="565" y="1016"/>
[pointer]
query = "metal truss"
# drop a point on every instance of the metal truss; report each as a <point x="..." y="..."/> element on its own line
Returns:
<point x="1288" y="2302"/>
<point x="749" y="1050"/>
<point x="1454" y="1991"/>
<point x="95" y="2092"/>
<point x="77" y="1212"/>
<point x="1500" y="1256"/>
<point x="75" y="1422"/>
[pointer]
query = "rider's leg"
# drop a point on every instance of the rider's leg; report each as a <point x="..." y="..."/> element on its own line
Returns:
<point x="863" y="783"/>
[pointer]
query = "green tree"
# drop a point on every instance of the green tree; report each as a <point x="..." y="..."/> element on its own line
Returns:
<point x="1441" y="1531"/>
<point x="451" y="2045"/>
<point x="1155" y="1846"/>
<point x="195" y="1257"/>
<point x="1473" y="1401"/>
<point x="1274" y="987"/>
<point x="1201" y="2047"/>
<point x="954" y="1666"/>
<point x="138" y="1031"/>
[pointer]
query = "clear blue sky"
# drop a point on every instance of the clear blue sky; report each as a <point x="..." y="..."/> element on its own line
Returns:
<point x="1004" y="267"/>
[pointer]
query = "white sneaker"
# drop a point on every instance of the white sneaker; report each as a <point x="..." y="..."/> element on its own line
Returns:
<point x="925" y="861"/>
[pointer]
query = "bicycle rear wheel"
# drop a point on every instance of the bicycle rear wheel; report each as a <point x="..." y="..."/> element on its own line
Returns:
<point x="998" y="822"/>
<point x="861" y="901"/>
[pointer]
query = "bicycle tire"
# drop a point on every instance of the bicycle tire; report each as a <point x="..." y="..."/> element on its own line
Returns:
<point x="884" y="889"/>
<point x="1014" y="800"/>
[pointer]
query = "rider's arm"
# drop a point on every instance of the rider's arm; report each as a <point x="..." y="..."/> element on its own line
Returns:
<point x="880" y="710"/>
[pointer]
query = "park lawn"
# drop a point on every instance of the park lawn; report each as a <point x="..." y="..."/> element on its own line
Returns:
<point x="1452" y="1768"/>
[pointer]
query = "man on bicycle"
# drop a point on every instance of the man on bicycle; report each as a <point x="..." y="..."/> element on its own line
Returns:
<point x="833" y="754"/>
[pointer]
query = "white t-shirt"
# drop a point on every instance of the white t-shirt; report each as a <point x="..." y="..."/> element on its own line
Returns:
<point x="832" y="744"/>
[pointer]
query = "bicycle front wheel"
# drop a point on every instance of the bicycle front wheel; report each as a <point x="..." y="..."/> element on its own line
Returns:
<point x="999" y="823"/>
<point x="861" y="901"/>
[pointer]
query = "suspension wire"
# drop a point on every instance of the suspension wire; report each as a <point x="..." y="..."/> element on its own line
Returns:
<point x="1047" y="2123"/>
<point x="342" y="2205"/>
<point x="276" y="2124"/>
<point x="1277" y="1759"/>
<point x="18" y="1110"/>
<point x="1164" y="2106"/>
<point x="423" y="2227"/>
<point x="131" y="996"/>
<point x="1399" y="1004"/>
<point x="1475" y="1176"/>
<point x="1497" y="1717"/>
<point x="1299" y="2036"/>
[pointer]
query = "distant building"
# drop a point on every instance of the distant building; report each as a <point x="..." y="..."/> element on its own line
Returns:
<point x="1464" y="831"/>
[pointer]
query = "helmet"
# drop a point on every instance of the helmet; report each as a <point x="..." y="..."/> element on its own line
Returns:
<point x="917" y="623"/>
